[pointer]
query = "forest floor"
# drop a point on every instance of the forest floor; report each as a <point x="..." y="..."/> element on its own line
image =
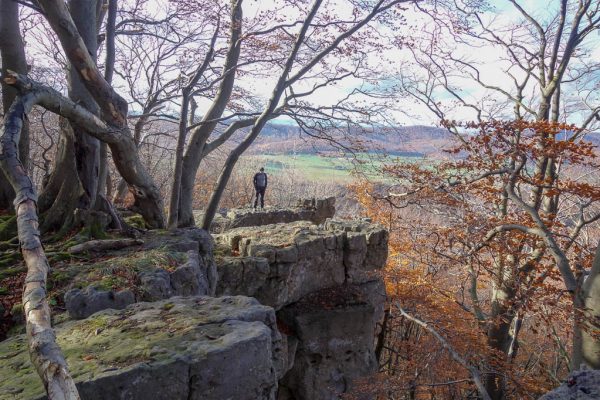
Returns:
<point x="108" y="270"/>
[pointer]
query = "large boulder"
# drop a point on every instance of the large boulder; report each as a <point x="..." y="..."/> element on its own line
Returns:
<point x="334" y="329"/>
<point x="279" y="264"/>
<point x="83" y="303"/>
<point x="580" y="385"/>
<point x="197" y="241"/>
<point x="314" y="210"/>
<point x="181" y="348"/>
<point x="196" y="275"/>
<point x="190" y="279"/>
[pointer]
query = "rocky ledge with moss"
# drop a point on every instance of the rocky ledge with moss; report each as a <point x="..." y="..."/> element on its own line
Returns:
<point x="324" y="282"/>
<point x="314" y="331"/>
<point x="181" y="348"/>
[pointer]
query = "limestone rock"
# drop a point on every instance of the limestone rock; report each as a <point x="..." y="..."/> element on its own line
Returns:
<point x="279" y="264"/>
<point x="82" y="303"/>
<point x="315" y="211"/>
<point x="181" y="348"/>
<point x="196" y="276"/>
<point x="334" y="328"/>
<point x="580" y="385"/>
<point x="189" y="279"/>
<point x="155" y="285"/>
<point x="185" y="240"/>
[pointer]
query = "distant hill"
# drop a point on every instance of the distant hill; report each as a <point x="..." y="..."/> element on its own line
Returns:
<point x="407" y="140"/>
<point x="416" y="140"/>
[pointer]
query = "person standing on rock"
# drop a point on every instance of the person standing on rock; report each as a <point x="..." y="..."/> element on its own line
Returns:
<point x="260" y="185"/>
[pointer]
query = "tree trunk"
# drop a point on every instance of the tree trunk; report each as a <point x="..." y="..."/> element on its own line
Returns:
<point x="87" y="147"/>
<point x="148" y="199"/>
<point x="12" y="53"/>
<point x="260" y="123"/>
<point x="63" y="192"/>
<point x="586" y="347"/>
<point x="70" y="188"/>
<point x="120" y="192"/>
<point x="199" y="136"/>
<point x="177" y="171"/>
<point x="45" y="354"/>
<point x="502" y="314"/>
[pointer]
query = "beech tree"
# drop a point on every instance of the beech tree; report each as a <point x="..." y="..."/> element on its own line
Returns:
<point x="109" y="126"/>
<point x="299" y="60"/>
<point x="12" y="53"/>
<point x="545" y="78"/>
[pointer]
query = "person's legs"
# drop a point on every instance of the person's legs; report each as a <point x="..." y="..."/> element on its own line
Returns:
<point x="256" y="197"/>
<point x="262" y="198"/>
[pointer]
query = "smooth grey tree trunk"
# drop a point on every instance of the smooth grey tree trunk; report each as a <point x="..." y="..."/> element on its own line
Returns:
<point x="148" y="199"/>
<point x="587" y="344"/>
<point x="499" y="336"/>
<point x="70" y="189"/>
<point x="199" y="136"/>
<point x="12" y="53"/>
<point x="87" y="148"/>
<point x="187" y="101"/>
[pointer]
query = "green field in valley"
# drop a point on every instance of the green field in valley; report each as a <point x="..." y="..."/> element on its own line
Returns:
<point x="327" y="168"/>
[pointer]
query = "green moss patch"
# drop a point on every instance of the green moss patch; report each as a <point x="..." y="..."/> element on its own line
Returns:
<point x="154" y="334"/>
<point x="136" y="221"/>
<point x="8" y="227"/>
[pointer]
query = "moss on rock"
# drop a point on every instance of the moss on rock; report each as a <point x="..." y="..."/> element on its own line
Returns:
<point x="145" y="335"/>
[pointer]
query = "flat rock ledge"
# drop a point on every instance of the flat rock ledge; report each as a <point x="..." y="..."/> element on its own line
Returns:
<point x="313" y="210"/>
<point x="181" y="348"/>
<point x="196" y="276"/>
<point x="279" y="264"/>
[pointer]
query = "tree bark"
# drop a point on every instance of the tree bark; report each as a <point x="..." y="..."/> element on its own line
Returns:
<point x="45" y="354"/>
<point x="148" y="199"/>
<point x="69" y="188"/>
<point x="184" y="117"/>
<point x="109" y="68"/>
<point x="199" y="135"/>
<point x="87" y="147"/>
<point x="501" y="317"/>
<point x="587" y="348"/>
<point x="12" y="53"/>
<point x="64" y="190"/>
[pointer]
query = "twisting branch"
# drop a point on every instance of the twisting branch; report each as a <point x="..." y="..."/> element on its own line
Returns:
<point x="45" y="353"/>
<point x="474" y="372"/>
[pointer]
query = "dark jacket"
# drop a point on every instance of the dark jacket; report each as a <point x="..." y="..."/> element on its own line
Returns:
<point x="260" y="180"/>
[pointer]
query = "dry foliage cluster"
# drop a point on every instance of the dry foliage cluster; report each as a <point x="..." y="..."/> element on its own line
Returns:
<point x="474" y="251"/>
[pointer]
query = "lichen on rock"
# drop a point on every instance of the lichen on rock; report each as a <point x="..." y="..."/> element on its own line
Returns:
<point x="181" y="348"/>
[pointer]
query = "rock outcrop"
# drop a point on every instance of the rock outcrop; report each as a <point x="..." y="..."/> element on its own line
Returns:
<point x="580" y="385"/>
<point x="195" y="276"/>
<point x="325" y="284"/>
<point x="333" y="329"/>
<point x="83" y="303"/>
<point x="279" y="264"/>
<point x="297" y="318"/>
<point x="182" y="348"/>
<point x="316" y="211"/>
